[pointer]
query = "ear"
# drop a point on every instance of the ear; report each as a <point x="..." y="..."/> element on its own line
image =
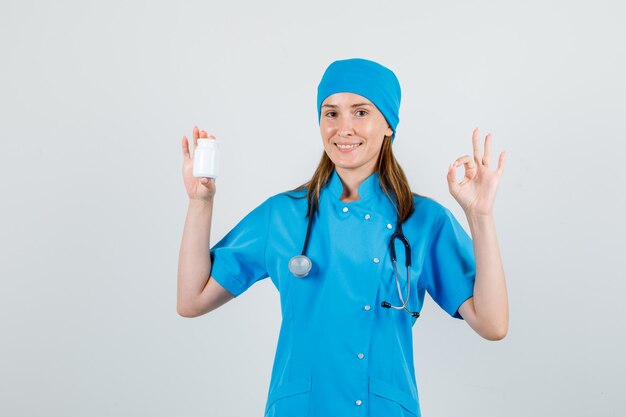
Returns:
<point x="389" y="131"/>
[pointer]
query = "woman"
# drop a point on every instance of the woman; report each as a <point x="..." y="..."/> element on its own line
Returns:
<point x="345" y="343"/>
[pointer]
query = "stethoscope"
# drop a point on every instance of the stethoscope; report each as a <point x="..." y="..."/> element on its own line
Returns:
<point x="300" y="265"/>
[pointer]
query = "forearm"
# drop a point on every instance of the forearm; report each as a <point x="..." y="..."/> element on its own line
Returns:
<point x="194" y="260"/>
<point x="490" y="294"/>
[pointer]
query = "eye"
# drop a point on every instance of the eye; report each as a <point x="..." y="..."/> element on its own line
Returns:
<point x="330" y="113"/>
<point x="362" y="111"/>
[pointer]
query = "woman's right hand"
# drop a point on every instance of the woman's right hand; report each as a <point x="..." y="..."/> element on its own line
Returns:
<point x="197" y="188"/>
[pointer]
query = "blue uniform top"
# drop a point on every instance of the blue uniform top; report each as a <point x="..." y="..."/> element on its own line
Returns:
<point x="339" y="352"/>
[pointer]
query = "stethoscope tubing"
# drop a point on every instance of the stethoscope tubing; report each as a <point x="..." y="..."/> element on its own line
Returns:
<point x="300" y="265"/>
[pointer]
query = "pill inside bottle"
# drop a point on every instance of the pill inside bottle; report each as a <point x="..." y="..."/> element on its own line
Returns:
<point x="206" y="159"/>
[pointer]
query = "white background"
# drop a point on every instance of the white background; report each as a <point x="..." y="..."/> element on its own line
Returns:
<point x="96" y="96"/>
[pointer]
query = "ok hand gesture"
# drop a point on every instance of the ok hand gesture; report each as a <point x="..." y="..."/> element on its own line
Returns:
<point x="477" y="191"/>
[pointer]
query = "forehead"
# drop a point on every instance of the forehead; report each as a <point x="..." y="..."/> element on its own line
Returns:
<point x="346" y="99"/>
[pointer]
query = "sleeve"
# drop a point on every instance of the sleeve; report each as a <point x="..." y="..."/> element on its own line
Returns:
<point x="238" y="259"/>
<point x="449" y="265"/>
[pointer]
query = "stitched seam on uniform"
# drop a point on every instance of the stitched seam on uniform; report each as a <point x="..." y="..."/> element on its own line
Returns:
<point x="455" y="307"/>
<point x="267" y="234"/>
<point x="233" y="276"/>
<point x="458" y="291"/>
<point x="430" y="243"/>
<point x="239" y="281"/>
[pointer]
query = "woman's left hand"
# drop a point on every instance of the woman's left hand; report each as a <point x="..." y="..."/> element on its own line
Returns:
<point x="477" y="191"/>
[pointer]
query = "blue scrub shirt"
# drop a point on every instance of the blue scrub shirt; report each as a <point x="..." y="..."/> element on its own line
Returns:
<point x="339" y="352"/>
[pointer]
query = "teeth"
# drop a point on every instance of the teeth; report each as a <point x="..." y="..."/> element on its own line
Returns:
<point x="348" y="146"/>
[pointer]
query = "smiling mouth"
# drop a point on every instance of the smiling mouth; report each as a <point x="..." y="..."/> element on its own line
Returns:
<point x="348" y="147"/>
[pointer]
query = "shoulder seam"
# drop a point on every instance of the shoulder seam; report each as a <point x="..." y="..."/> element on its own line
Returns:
<point x="432" y="237"/>
<point x="267" y="234"/>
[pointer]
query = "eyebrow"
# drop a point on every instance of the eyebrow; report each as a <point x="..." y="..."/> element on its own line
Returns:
<point x="354" y="105"/>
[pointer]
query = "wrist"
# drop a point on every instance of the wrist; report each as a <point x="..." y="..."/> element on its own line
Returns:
<point x="479" y="220"/>
<point x="200" y="202"/>
<point x="475" y="215"/>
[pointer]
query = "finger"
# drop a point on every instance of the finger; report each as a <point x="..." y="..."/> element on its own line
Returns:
<point x="476" y="145"/>
<point x="501" y="163"/>
<point x="468" y="165"/>
<point x="196" y="134"/>
<point x="451" y="177"/>
<point x="206" y="181"/>
<point x="487" y="156"/>
<point x="466" y="160"/>
<point x="186" y="147"/>
<point x="203" y="134"/>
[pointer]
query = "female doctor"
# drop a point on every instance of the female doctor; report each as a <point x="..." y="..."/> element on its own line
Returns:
<point x="352" y="253"/>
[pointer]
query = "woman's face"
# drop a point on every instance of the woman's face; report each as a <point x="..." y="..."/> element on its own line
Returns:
<point x="352" y="120"/>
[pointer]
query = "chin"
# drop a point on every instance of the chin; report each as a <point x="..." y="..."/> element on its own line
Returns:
<point x="344" y="165"/>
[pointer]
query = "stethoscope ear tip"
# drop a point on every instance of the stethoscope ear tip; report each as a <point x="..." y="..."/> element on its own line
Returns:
<point x="386" y="304"/>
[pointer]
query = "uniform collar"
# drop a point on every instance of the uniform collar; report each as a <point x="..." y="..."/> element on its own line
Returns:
<point x="368" y="189"/>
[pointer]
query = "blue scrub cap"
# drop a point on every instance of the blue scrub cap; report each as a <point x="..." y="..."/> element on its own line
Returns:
<point x="366" y="78"/>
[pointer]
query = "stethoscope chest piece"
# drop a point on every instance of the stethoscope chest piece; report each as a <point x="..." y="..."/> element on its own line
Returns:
<point x="300" y="266"/>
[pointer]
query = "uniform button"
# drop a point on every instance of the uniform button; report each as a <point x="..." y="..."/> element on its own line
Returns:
<point x="389" y="226"/>
<point x="358" y="402"/>
<point x="366" y="307"/>
<point x="361" y="356"/>
<point x="376" y="260"/>
<point x="345" y="209"/>
<point x="367" y="217"/>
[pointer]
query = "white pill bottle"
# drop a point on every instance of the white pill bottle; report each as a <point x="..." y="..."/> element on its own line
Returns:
<point x="206" y="159"/>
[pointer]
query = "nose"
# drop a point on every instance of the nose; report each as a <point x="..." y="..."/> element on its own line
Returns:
<point x="345" y="126"/>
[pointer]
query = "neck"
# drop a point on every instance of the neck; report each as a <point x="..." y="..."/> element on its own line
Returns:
<point x="351" y="179"/>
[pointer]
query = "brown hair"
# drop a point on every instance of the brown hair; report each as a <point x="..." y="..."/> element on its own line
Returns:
<point x="392" y="179"/>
